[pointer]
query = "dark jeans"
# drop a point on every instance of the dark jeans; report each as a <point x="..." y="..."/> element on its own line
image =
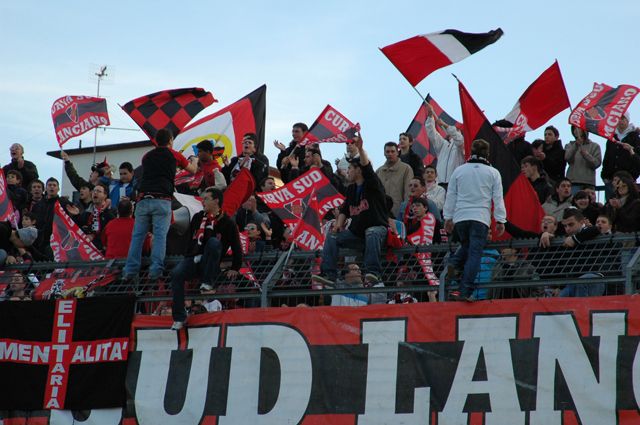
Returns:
<point x="208" y="268"/>
<point x="374" y="239"/>
<point x="472" y="236"/>
<point x="594" y="289"/>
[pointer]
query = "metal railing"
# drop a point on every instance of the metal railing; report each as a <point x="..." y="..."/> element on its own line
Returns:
<point x="515" y="268"/>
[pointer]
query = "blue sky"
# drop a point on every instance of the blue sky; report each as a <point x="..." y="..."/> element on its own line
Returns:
<point x="309" y="54"/>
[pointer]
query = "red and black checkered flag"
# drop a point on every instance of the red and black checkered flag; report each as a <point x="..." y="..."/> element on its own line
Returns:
<point x="170" y="109"/>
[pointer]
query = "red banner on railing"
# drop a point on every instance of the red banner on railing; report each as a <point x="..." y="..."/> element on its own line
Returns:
<point x="528" y="361"/>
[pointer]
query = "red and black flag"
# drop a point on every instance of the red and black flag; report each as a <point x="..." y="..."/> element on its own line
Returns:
<point x="75" y="115"/>
<point x="541" y="101"/>
<point x="330" y="126"/>
<point x="307" y="234"/>
<point x="170" y="109"/>
<point x="600" y="111"/>
<point x="291" y="200"/>
<point x="68" y="241"/>
<point x="73" y="282"/>
<point x="422" y="145"/>
<point x="419" y="56"/>
<point x="227" y="126"/>
<point x="64" y="354"/>
<point x="520" y="199"/>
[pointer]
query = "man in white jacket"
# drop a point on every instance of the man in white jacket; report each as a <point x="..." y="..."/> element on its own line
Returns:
<point x="473" y="188"/>
<point x="449" y="151"/>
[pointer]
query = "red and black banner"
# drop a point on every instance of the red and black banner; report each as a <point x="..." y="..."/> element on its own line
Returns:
<point x="7" y="212"/>
<point x="520" y="199"/>
<point x="290" y="201"/>
<point x="227" y="126"/>
<point x="419" y="56"/>
<point x="424" y="236"/>
<point x="307" y="234"/>
<point x="64" y="354"/>
<point x="170" y="109"/>
<point x="527" y="361"/>
<point x="600" y="111"/>
<point x="421" y="143"/>
<point x="330" y="126"/>
<point x="75" y="115"/>
<point x="73" y="282"/>
<point x="68" y="241"/>
<point x="541" y="101"/>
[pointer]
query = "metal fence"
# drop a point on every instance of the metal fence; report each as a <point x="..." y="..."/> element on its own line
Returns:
<point x="516" y="268"/>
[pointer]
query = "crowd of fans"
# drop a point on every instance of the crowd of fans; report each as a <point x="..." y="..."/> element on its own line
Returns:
<point x="403" y="190"/>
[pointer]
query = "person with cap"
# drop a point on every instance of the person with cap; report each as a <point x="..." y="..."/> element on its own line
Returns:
<point x="14" y="242"/>
<point x="28" y="169"/>
<point x="621" y="154"/>
<point x="98" y="171"/>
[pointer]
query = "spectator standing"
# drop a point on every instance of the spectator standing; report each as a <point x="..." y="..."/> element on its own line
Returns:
<point x="395" y="176"/>
<point x="16" y="192"/>
<point x="624" y="207"/>
<point x="407" y="155"/>
<point x="621" y="154"/>
<point x="44" y="212"/>
<point x="449" y="151"/>
<point x="97" y="171"/>
<point x="28" y="169"/>
<point x="122" y="187"/>
<point x="554" y="162"/>
<point x="365" y="204"/>
<point x="94" y="221"/>
<point x="474" y="188"/>
<point x="583" y="157"/>
<point x="116" y="236"/>
<point x="531" y="167"/>
<point x="250" y="158"/>
<point x="435" y="192"/>
<point x="560" y="201"/>
<point x="154" y="204"/>
<point x="36" y="193"/>
<point x="286" y="152"/>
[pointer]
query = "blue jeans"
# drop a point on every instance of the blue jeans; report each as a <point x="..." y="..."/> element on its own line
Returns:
<point x="374" y="237"/>
<point x="208" y="268"/>
<point x="149" y="212"/>
<point x="472" y="236"/>
<point x="3" y="257"/>
<point x="594" y="289"/>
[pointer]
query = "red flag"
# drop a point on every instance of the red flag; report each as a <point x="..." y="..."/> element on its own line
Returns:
<point x="540" y="102"/>
<point x="75" y="115"/>
<point x="600" y="111"/>
<point x="170" y="109"/>
<point x="290" y="201"/>
<point x="7" y="212"/>
<point x="227" y="126"/>
<point x="73" y="282"/>
<point x="307" y="234"/>
<point x="238" y="191"/>
<point x="520" y="199"/>
<point x="68" y="242"/>
<point x="422" y="145"/>
<point x="330" y="126"/>
<point x="419" y="56"/>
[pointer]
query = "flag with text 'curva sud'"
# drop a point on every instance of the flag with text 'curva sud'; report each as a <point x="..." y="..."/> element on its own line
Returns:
<point x="419" y="56"/>
<point x="520" y="199"/>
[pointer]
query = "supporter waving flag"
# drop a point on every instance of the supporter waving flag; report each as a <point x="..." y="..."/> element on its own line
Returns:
<point x="600" y="111"/>
<point x="75" y="115"/>
<point x="541" y="101"/>
<point x="170" y="109"/>
<point x="422" y="145"/>
<point x="330" y="126"/>
<point x="520" y="199"/>
<point x="419" y="56"/>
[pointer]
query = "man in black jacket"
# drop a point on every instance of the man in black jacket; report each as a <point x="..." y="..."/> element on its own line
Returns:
<point x="287" y="152"/>
<point x="213" y="233"/>
<point x="623" y="153"/>
<point x="44" y="212"/>
<point x="249" y="158"/>
<point x="28" y="169"/>
<point x="366" y="205"/>
<point x="408" y="156"/>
